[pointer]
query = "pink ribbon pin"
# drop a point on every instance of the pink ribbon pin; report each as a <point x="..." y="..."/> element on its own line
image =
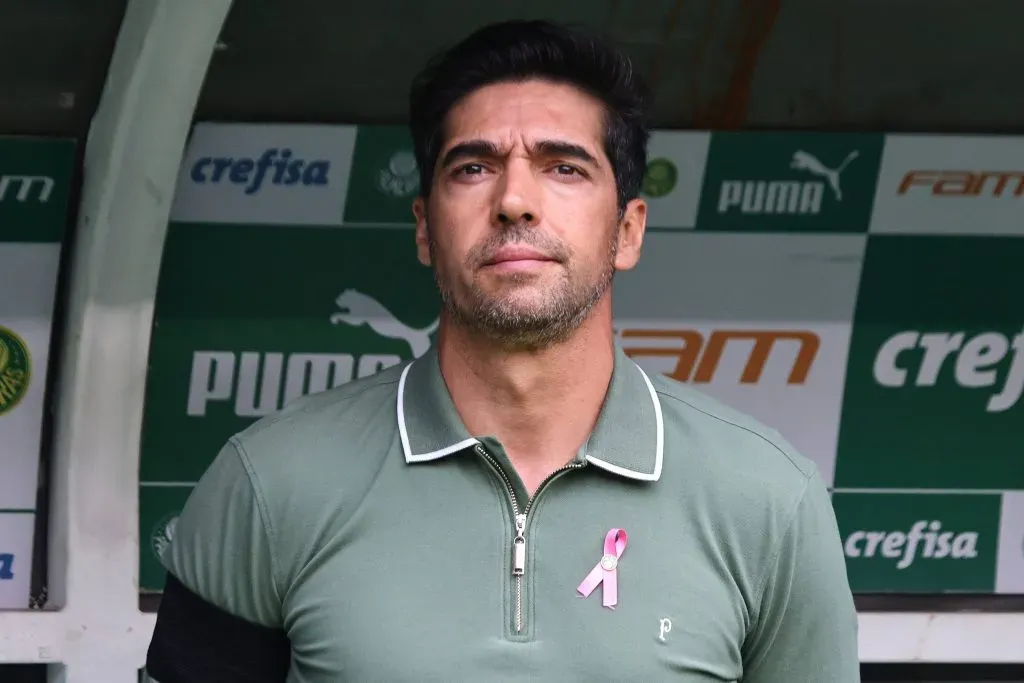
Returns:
<point x="605" y="571"/>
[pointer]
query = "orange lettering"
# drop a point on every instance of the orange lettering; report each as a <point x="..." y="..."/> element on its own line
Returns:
<point x="693" y="342"/>
<point x="963" y="183"/>
<point x="1003" y="177"/>
<point x="687" y="355"/>
<point x="917" y="178"/>
<point x="956" y="183"/>
<point x="764" y="341"/>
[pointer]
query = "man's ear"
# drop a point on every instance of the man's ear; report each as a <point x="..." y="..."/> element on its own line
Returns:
<point x="631" y="234"/>
<point x="419" y="210"/>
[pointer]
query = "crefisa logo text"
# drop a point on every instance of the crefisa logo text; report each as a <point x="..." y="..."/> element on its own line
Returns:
<point x="276" y="166"/>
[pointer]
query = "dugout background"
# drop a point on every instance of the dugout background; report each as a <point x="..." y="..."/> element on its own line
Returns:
<point x="742" y="86"/>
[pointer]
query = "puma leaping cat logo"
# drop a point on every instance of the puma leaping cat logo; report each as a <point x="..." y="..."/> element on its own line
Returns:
<point x="804" y="161"/>
<point x="356" y="308"/>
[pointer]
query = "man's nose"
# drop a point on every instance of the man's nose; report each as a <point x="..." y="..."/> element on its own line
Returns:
<point x="518" y="202"/>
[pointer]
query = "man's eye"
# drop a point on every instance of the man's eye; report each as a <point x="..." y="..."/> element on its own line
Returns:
<point x="470" y="169"/>
<point x="565" y="169"/>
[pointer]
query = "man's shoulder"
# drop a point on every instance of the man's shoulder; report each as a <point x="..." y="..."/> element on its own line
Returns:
<point x="728" y="443"/>
<point x="354" y="412"/>
<point x="749" y="482"/>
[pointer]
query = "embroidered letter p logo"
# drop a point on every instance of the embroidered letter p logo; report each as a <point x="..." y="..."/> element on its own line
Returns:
<point x="664" y="626"/>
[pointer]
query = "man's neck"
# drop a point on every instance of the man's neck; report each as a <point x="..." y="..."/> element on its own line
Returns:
<point x="542" y="405"/>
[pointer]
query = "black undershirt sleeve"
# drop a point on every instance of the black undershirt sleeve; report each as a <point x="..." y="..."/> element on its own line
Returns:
<point x="196" y="642"/>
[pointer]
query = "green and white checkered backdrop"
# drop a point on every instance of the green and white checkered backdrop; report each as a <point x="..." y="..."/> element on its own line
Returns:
<point x="860" y="293"/>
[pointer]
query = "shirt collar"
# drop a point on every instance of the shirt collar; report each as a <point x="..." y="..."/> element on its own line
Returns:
<point x="628" y="439"/>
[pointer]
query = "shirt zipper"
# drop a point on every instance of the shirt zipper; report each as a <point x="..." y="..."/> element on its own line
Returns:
<point x="519" y="517"/>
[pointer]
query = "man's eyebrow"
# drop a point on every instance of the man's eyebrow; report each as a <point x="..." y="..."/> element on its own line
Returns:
<point x="470" y="149"/>
<point x="489" y="150"/>
<point x="558" y="148"/>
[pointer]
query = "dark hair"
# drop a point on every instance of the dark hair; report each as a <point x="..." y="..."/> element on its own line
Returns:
<point x="520" y="50"/>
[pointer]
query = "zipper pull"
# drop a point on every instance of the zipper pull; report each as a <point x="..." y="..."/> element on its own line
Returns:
<point x="519" y="547"/>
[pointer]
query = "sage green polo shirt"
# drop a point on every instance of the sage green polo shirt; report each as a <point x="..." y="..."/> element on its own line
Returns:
<point x="392" y="545"/>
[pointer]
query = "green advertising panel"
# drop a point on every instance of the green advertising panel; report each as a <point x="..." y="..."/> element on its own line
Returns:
<point x="385" y="178"/>
<point x="251" y="317"/>
<point x="936" y="366"/>
<point x="919" y="543"/>
<point x="778" y="182"/>
<point x="35" y="180"/>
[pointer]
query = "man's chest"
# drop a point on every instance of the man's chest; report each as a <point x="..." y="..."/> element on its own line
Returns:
<point x="444" y="590"/>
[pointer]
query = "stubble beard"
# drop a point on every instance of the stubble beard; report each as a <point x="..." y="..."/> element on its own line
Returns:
<point x="516" y="326"/>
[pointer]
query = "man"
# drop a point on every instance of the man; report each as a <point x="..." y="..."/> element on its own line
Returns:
<point x="522" y="502"/>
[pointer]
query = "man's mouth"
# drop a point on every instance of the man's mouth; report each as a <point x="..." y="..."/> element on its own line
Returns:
<point x="516" y="254"/>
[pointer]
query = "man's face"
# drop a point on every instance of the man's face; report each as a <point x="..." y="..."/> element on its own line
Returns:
<point x="522" y="226"/>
